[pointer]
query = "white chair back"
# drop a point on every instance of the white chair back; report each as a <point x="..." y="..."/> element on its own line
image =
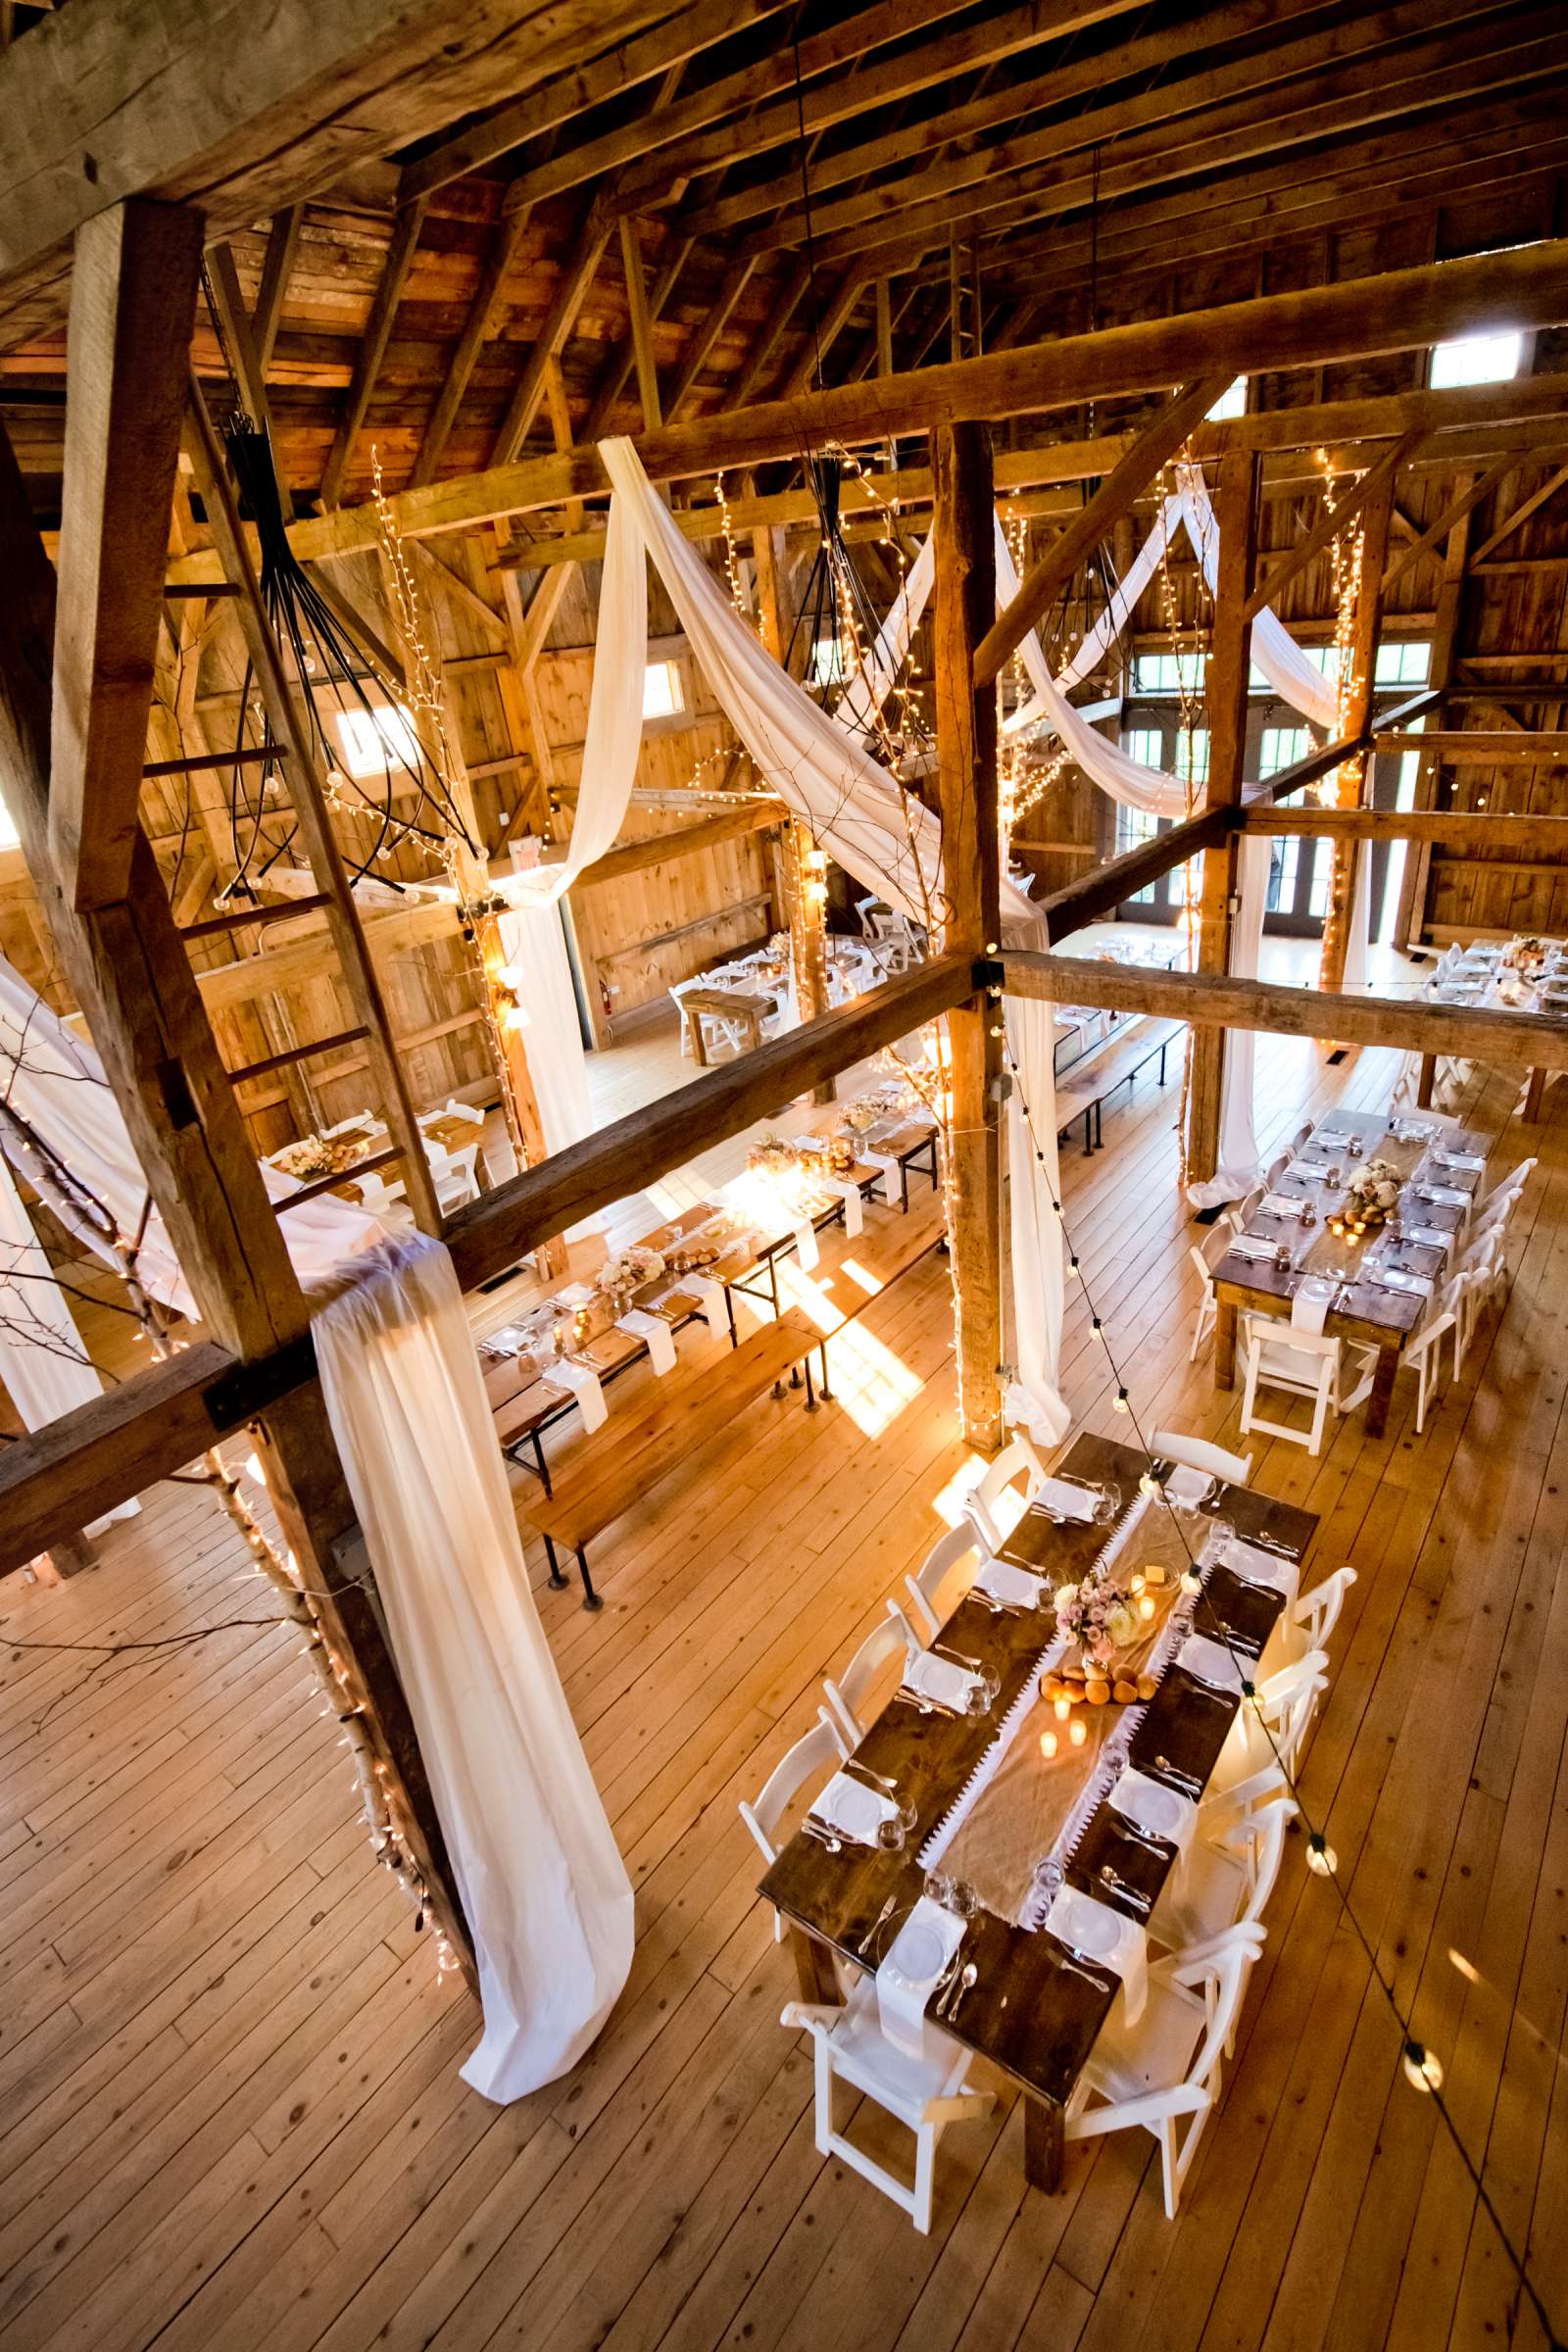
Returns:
<point x="818" y="1753"/>
<point x="1275" y="1170"/>
<point x="995" y="1504"/>
<point x="454" y="1108"/>
<point x="1302" y="1136"/>
<point x="1203" y="1320"/>
<point x="941" y="1579"/>
<point x="1242" y="1213"/>
<point x="1302" y="1364"/>
<point x="1198" y="1453"/>
<point x="455" y="1178"/>
<point x="893" y="1637"/>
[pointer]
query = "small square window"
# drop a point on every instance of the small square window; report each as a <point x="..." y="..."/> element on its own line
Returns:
<point x="827" y="662"/>
<point x="1232" y="402"/>
<point x="1404" y="665"/>
<point x="662" y="695"/>
<point x="1475" y="359"/>
<point x="375" y="740"/>
<point x="1281" y="748"/>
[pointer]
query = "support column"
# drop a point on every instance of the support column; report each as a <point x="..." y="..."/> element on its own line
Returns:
<point x="967" y="776"/>
<point x="1446" y="640"/>
<point x="803" y="904"/>
<point x="1355" y="710"/>
<point x="1225" y="689"/>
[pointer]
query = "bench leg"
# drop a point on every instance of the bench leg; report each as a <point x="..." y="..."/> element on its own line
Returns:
<point x="795" y="1376"/>
<point x="1089" y="1131"/>
<point x="590" y="1599"/>
<point x="811" y="1392"/>
<point x="729" y="1311"/>
<point x="779" y="1390"/>
<point x="1163" y="1066"/>
<point x="541" y="1464"/>
<point x="557" y="1580"/>
<point x="827" y="1393"/>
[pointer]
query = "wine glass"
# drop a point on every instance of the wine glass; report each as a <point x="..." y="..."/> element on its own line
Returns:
<point x="963" y="1901"/>
<point x="891" y="1833"/>
<point x="1107" y="1504"/>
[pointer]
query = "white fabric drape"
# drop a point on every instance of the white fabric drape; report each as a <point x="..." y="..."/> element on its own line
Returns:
<point x="891" y="845"/>
<point x="535" y="948"/>
<point x="864" y="696"/>
<point x="1236" y="1171"/>
<point x="56" y="1083"/>
<point x="545" y="1891"/>
<point x="1358" y="941"/>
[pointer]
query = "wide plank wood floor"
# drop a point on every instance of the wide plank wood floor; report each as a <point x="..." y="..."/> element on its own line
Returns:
<point x="230" y="2116"/>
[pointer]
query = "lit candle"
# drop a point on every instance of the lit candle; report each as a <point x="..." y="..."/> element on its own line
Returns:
<point x="1139" y="1580"/>
<point x="1063" y="1708"/>
<point x="1048" y="1745"/>
<point x="1145" y="1608"/>
<point x="1077" y="1733"/>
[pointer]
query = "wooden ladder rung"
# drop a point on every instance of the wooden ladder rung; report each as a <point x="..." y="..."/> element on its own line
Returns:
<point x="327" y="1184"/>
<point x="247" y="754"/>
<point x="277" y="912"/>
<point x="201" y="588"/>
<point x="292" y="1053"/>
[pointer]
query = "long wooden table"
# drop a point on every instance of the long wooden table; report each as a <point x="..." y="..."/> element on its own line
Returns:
<point x="1029" y="2012"/>
<point x="1363" y="1311"/>
<point x="1545" y="997"/>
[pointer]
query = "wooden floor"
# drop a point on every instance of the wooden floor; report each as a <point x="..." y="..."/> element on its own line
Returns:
<point x="229" y="2107"/>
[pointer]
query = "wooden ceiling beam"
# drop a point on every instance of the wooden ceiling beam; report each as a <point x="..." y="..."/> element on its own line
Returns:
<point x="1331" y="523"/>
<point x="911" y="216"/>
<point x="132" y="304"/>
<point x="571" y="288"/>
<point x="1484" y="747"/>
<point x="1466" y="832"/>
<point x="1399" y="310"/>
<point x="405" y="228"/>
<point x="826" y="103"/>
<point x="278" y="268"/>
<point x="1455" y="511"/>
<point x="640" y="324"/>
<point x="1153" y="450"/>
<point x="646" y="49"/>
<point x="714" y="319"/>
<point x="1521" y="514"/>
<point x="624" y="359"/>
<point x="689" y="841"/>
<point x="477" y="328"/>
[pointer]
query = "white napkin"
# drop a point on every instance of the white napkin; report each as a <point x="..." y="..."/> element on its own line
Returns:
<point x="575" y="1293"/>
<point x="1248" y="1247"/>
<point x="1280" y="1204"/>
<point x="889" y="1170"/>
<point x="711" y="1297"/>
<point x="1310" y="1305"/>
<point x="1013" y="1586"/>
<point x="931" y="1677"/>
<point x="1459" y="1160"/>
<point x="1430" y="1238"/>
<point x="1311" y="1169"/>
<point x="848" y="1192"/>
<point x="1212" y="1662"/>
<point x="805" y="1242"/>
<point x="1107" y="1936"/>
<point x="852" y="1810"/>
<point x="1395" y="1278"/>
<point x="1446" y="1196"/>
<point x="907" y="1976"/>
<point x="1064" y="1501"/>
<point x="1260" y="1567"/>
<point x="655" y="1332"/>
<point x="1150" y="1805"/>
<point x="583" y="1382"/>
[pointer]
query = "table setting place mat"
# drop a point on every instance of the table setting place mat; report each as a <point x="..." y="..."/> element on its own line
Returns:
<point x="1282" y="1204"/>
<point x="584" y="1383"/>
<point x="1008" y="1586"/>
<point x="1388" y="1277"/>
<point x="1441" y="1196"/>
<point x="1461" y="1162"/>
<point x="1256" y="1566"/>
<point x="914" y="1965"/>
<point x="1187" y="1485"/>
<point x="655" y="1334"/>
<point x="943" y="1680"/>
<point x="852" y="1810"/>
<point x="1106" y="1938"/>
<point x="1212" y="1662"/>
<point x="1151" y="1807"/>
<point x="1254" y="1249"/>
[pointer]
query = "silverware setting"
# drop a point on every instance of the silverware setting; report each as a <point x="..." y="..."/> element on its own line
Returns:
<point x="879" y="1923"/>
<point x="940" y="1990"/>
<point x="957" y="1987"/>
<point x="1079" y="1963"/>
<point x="925" y="1705"/>
<point x="1111" y="1877"/>
<point x="810" y="1827"/>
<point x="878" y="1779"/>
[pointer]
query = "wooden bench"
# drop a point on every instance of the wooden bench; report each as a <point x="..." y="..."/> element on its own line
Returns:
<point x="1117" y="1063"/>
<point x="607" y="1473"/>
<point x="620" y="1463"/>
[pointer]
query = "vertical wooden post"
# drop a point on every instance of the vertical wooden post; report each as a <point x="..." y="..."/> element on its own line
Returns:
<point x="130" y="975"/>
<point x="967" y="776"/>
<point x="802" y="905"/>
<point x="1445" y="642"/>
<point x="1225" y="688"/>
<point x="1355" y="710"/>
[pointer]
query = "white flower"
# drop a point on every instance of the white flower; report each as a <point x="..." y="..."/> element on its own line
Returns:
<point x="1067" y="1595"/>
<point x="1120" y="1625"/>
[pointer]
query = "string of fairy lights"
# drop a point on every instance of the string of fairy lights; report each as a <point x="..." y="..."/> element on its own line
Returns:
<point x="1421" y="2066"/>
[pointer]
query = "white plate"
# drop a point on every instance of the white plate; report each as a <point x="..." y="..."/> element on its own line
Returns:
<point x="918" y="1953"/>
<point x="1151" y="1806"/>
<point x="1086" y="1925"/>
<point x="850" y="1807"/>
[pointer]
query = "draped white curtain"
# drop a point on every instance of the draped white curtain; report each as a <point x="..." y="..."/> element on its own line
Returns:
<point x="545" y="1891"/>
<point x="1237" y="1169"/>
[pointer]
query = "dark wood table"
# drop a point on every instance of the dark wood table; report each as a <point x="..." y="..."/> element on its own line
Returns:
<point x="1364" y="1312"/>
<point x="1028" y="2013"/>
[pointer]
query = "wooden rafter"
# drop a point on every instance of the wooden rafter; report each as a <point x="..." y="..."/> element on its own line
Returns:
<point x="405" y="232"/>
<point x="277" y="266"/>
<point x="134" y="299"/>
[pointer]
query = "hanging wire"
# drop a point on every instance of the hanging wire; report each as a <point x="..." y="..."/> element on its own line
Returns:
<point x="1412" y="2051"/>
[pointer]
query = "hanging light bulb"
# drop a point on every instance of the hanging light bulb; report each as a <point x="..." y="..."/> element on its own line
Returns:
<point x="1122" y="1406"/>
<point x="1423" y="2069"/>
<point x="1320" y="1855"/>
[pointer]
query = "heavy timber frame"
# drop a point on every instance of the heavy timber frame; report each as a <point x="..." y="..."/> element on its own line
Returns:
<point x="256" y="1366"/>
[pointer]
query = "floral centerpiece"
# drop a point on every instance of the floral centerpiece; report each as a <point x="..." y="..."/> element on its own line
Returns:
<point x="316" y="1155"/>
<point x="1370" y="1200"/>
<point x="622" y="1275"/>
<point x="1526" y="953"/>
<point x="1097" y="1614"/>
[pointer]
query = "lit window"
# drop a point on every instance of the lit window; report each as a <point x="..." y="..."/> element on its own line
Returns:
<point x="1232" y="402"/>
<point x="373" y="740"/>
<point x="1325" y="657"/>
<point x="1191" y="756"/>
<point x="827" y="662"/>
<point x="1280" y="746"/>
<point x="1475" y="359"/>
<point x="1168" y="673"/>
<point x="662" y="695"/>
<point x="1134" y="825"/>
<point x="9" y="836"/>
<point x="1402" y="665"/>
<point x="1284" y="853"/>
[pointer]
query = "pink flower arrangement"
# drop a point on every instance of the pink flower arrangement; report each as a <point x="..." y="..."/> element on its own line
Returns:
<point x="1095" y="1614"/>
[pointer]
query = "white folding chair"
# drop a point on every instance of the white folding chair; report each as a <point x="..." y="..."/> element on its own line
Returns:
<point x="1306" y="1622"/>
<point x="454" y="1108"/>
<point x="454" y="1177"/>
<point x="1301" y="1136"/>
<point x="814" y="1758"/>
<point x="925" y="2093"/>
<point x="893" y="1638"/>
<point x="1163" y="2074"/>
<point x="1271" y="1726"/>
<point x="1242" y="1213"/>
<point x="1198" y="1453"/>
<point x="1422" y="1353"/>
<point x="995" y="1506"/>
<point x="381" y="1200"/>
<point x="941" y="1580"/>
<point x="678" y="988"/>
<point x="1499" y="1201"/>
<point x="1275" y="1170"/>
<point x="1207" y="1304"/>
<point x="1303" y="1363"/>
<point x="1486" y="1265"/>
<point x="1231" y="1868"/>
